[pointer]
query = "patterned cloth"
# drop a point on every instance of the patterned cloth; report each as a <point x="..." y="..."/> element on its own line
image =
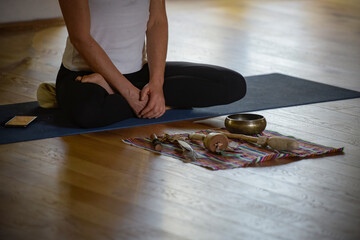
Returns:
<point x="239" y="153"/>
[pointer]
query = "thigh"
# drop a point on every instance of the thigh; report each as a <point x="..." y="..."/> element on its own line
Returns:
<point x="211" y="73"/>
<point x="67" y="89"/>
<point x="88" y="104"/>
<point x="201" y="85"/>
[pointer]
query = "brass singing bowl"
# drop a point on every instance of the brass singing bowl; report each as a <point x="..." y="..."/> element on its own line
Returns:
<point x="245" y="123"/>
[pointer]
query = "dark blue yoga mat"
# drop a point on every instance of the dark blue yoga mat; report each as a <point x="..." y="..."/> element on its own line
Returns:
<point x="263" y="92"/>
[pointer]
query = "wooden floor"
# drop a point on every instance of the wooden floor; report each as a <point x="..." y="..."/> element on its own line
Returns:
<point x="92" y="186"/>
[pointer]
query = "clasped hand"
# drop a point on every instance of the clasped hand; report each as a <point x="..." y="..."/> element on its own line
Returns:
<point x="148" y="102"/>
<point x="155" y="106"/>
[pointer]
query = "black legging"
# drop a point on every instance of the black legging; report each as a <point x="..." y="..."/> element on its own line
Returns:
<point x="186" y="85"/>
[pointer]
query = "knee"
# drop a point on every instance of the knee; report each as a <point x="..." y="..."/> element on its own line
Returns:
<point x="235" y="86"/>
<point x="85" y="116"/>
<point x="82" y="103"/>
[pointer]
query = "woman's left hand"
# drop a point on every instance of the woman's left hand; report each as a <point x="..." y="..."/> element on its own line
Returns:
<point x="156" y="104"/>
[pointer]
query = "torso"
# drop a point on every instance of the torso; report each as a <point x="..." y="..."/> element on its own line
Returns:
<point x="119" y="27"/>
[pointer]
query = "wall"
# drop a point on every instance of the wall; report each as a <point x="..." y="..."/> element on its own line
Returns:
<point x="26" y="10"/>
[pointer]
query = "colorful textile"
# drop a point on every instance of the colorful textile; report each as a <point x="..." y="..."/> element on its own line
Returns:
<point x="239" y="153"/>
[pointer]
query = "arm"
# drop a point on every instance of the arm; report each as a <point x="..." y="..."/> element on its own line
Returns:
<point x="157" y="40"/>
<point x="77" y="19"/>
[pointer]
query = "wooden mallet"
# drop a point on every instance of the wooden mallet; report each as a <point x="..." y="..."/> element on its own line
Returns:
<point x="156" y="142"/>
<point x="214" y="142"/>
<point x="277" y="143"/>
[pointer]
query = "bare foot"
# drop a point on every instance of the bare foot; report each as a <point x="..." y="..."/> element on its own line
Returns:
<point x="97" y="79"/>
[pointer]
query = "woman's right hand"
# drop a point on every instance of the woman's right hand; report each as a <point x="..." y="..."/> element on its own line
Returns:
<point x="135" y="102"/>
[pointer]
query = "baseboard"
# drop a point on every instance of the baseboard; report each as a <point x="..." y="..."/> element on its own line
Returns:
<point x="31" y="25"/>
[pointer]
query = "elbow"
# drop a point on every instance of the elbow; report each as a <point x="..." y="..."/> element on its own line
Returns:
<point x="158" y="22"/>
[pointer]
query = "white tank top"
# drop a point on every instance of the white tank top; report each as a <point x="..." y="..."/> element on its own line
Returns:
<point x="119" y="27"/>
